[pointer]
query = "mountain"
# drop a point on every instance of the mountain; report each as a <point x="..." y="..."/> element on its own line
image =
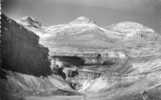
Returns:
<point x="84" y="35"/>
<point x="31" y="22"/>
<point x="80" y="33"/>
<point x="130" y="51"/>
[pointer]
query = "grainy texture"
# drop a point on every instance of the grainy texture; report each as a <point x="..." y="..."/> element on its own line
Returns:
<point x="21" y="50"/>
<point x="131" y="69"/>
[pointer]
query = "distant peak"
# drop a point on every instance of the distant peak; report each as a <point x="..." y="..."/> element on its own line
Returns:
<point x="30" y="21"/>
<point x="81" y="20"/>
<point x="129" y="25"/>
<point x="124" y="26"/>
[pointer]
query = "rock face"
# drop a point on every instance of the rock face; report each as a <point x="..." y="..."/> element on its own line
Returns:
<point x="21" y="49"/>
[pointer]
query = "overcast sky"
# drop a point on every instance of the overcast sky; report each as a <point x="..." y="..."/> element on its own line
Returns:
<point x="104" y="12"/>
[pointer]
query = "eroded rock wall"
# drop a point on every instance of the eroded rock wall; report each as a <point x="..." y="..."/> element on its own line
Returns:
<point x="21" y="51"/>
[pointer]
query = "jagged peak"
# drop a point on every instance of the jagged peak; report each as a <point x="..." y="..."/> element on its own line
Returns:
<point x="31" y="21"/>
<point x="81" y="20"/>
<point x="78" y="25"/>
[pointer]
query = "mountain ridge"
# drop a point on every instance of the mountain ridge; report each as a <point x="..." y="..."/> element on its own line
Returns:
<point x="85" y="33"/>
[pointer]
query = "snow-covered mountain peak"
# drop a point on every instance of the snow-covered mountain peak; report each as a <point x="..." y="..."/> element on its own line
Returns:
<point x="81" y="20"/>
<point x="79" y="25"/>
<point x="130" y="27"/>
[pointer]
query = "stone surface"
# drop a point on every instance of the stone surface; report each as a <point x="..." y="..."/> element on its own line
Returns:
<point x="21" y="50"/>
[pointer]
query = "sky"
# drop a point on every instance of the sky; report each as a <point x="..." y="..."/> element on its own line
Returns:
<point x="104" y="12"/>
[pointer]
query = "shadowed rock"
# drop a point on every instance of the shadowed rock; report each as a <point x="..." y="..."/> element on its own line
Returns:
<point x="21" y="50"/>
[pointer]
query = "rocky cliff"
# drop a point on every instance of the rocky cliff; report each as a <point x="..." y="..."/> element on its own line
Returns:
<point x="21" y="50"/>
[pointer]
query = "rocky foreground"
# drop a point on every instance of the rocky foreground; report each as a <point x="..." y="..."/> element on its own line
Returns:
<point x="130" y="67"/>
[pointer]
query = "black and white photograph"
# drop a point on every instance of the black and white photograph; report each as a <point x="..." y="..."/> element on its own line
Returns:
<point x="80" y="50"/>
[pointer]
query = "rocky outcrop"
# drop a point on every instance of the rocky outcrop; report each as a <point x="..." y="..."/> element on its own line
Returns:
<point x="21" y="50"/>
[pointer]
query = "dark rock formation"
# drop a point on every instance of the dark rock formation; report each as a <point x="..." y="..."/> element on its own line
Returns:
<point x="21" y="50"/>
<point x="70" y="60"/>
